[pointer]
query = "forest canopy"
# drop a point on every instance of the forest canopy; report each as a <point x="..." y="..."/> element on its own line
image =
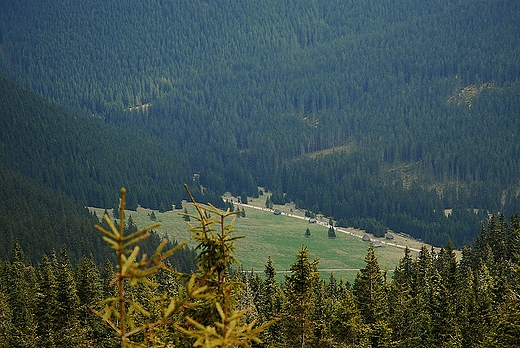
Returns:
<point x="431" y="299"/>
<point x="382" y="115"/>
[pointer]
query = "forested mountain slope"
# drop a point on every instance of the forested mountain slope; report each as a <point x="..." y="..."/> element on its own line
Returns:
<point x="426" y="95"/>
<point x="431" y="300"/>
<point x="83" y="157"/>
<point x="53" y="162"/>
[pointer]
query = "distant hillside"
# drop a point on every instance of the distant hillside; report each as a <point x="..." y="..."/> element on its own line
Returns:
<point x="51" y="164"/>
<point x="42" y="220"/>
<point x="235" y="94"/>
<point x="82" y="156"/>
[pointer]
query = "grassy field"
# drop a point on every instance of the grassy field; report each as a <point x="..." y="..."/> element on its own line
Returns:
<point x="280" y="236"/>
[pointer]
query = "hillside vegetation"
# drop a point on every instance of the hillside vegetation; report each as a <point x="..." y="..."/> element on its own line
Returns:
<point x="230" y="96"/>
<point x="432" y="299"/>
<point x="279" y="237"/>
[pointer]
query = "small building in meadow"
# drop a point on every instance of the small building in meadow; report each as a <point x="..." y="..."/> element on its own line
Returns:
<point x="365" y="238"/>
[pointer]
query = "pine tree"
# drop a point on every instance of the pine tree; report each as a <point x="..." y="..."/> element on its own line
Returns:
<point x="400" y="299"/>
<point x="496" y="237"/>
<point x="6" y="315"/>
<point x="107" y="278"/>
<point x="70" y="332"/>
<point x="115" y="212"/>
<point x="268" y="203"/>
<point x="186" y="216"/>
<point x="369" y="288"/>
<point x="206" y="311"/>
<point x="347" y="327"/>
<point x="300" y="306"/>
<point x="90" y="292"/>
<point x="419" y="329"/>
<point x="131" y="227"/>
<point x="513" y="238"/>
<point x="482" y="311"/>
<point x="219" y="320"/>
<point x="22" y="300"/>
<point x="322" y="316"/>
<point x="444" y="328"/>
<point x="446" y="271"/>
<point x="370" y="292"/>
<point x="6" y="318"/>
<point x="271" y="301"/>
<point x="47" y="308"/>
<point x="506" y="333"/>
<point x="332" y="233"/>
<point x="246" y="298"/>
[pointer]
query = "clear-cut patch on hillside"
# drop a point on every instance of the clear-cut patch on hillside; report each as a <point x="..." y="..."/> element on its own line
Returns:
<point x="466" y="94"/>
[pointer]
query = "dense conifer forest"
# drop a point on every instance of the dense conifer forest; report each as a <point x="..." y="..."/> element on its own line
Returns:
<point x="381" y="115"/>
<point x="422" y="96"/>
<point x="430" y="300"/>
<point x="400" y="115"/>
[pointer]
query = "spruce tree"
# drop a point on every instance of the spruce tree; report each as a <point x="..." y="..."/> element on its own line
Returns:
<point x="400" y="299"/>
<point x="322" y="316"/>
<point x="268" y="203"/>
<point x="205" y="312"/>
<point x="70" y="333"/>
<point x="370" y="292"/>
<point x="446" y="269"/>
<point x="513" y="238"/>
<point x="419" y="330"/>
<point x="186" y="216"/>
<point x="300" y="305"/>
<point x="247" y="295"/>
<point x="90" y="292"/>
<point x="347" y="327"/>
<point x="482" y="308"/>
<point x="507" y="331"/>
<point x="332" y="233"/>
<point x="7" y="338"/>
<point x="270" y="305"/>
<point x="444" y="329"/>
<point x="22" y="299"/>
<point x="47" y="307"/>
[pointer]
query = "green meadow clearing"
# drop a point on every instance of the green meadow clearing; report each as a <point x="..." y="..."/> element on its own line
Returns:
<point x="280" y="236"/>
